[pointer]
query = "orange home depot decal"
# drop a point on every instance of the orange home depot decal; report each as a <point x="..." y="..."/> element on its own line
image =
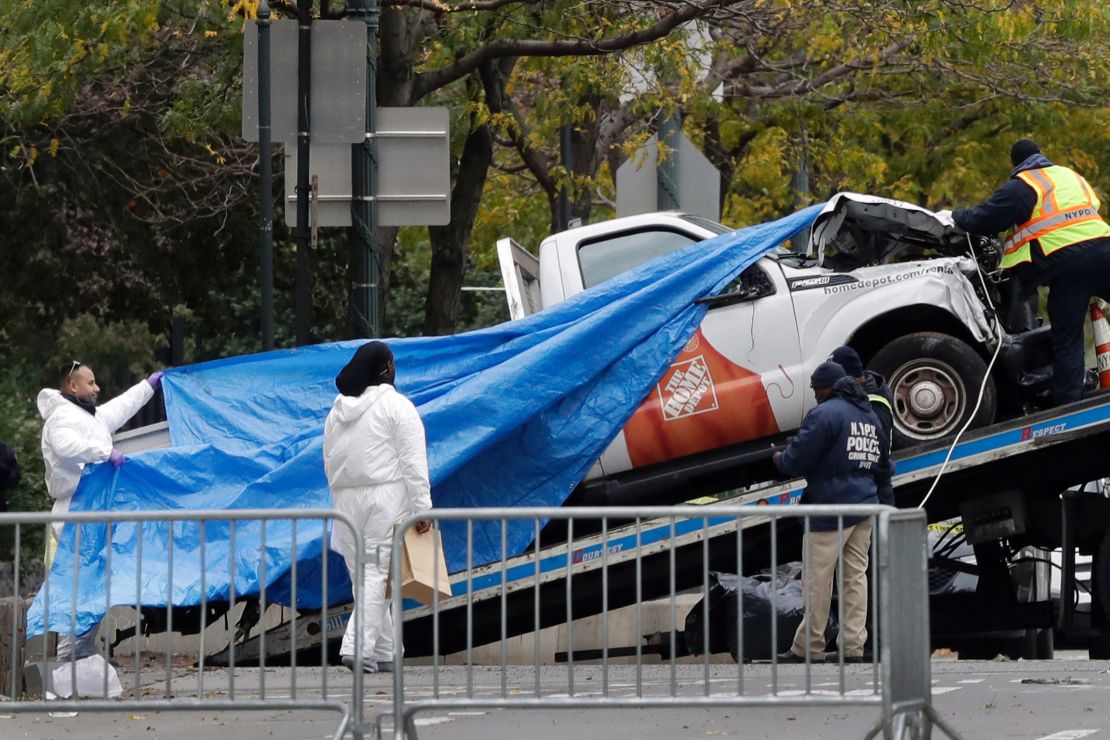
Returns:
<point x="687" y="389"/>
<point x="702" y="402"/>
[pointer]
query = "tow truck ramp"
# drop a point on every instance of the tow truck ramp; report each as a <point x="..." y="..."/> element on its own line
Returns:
<point x="1005" y="481"/>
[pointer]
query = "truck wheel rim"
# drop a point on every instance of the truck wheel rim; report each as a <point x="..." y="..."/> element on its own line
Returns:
<point x="929" y="399"/>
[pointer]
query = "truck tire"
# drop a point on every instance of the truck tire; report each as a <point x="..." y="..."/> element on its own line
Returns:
<point x="935" y="380"/>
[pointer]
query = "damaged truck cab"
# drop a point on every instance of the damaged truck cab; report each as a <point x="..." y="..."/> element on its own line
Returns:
<point x="916" y="297"/>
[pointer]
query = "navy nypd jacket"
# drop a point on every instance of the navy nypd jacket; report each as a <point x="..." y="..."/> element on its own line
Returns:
<point x="839" y="449"/>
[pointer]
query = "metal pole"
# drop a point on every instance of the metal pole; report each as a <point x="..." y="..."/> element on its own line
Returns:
<point x="303" y="301"/>
<point x="666" y="173"/>
<point x="266" y="188"/>
<point x="564" y="196"/>
<point x="799" y="183"/>
<point x="365" y="268"/>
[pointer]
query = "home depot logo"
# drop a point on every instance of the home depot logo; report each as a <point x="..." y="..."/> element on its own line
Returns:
<point x="687" y="389"/>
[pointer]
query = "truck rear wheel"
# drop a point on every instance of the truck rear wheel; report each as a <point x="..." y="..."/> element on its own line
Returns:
<point x="935" y="380"/>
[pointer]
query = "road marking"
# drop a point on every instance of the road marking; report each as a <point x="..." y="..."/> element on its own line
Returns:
<point x="428" y="721"/>
<point x="1068" y="735"/>
<point x="972" y="680"/>
<point x="824" y="692"/>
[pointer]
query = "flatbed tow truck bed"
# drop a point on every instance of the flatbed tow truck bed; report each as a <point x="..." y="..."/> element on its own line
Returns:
<point x="1005" y="480"/>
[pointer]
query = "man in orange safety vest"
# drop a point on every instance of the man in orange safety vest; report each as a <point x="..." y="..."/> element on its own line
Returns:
<point x="1056" y="238"/>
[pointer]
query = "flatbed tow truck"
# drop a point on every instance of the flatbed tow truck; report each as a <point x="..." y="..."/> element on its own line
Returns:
<point x="1007" y="482"/>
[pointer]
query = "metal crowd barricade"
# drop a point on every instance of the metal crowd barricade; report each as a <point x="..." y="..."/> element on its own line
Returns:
<point x="667" y="550"/>
<point x="199" y="686"/>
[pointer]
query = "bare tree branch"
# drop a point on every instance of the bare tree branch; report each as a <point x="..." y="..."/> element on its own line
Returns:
<point x="680" y="14"/>
<point x="444" y="7"/>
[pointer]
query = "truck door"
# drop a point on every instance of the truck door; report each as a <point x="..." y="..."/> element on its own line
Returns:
<point x="520" y="270"/>
<point x="739" y="378"/>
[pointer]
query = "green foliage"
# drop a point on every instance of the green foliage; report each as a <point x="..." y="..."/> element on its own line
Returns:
<point x="120" y="352"/>
<point x="50" y="48"/>
<point x="126" y="194"/>
<point x="21" y="428"/>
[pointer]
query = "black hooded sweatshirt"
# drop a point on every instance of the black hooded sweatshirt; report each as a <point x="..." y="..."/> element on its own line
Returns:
<point x="838" y="449"/>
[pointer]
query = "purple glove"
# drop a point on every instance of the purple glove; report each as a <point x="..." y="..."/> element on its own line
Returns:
<point x="155" y="379"/>
<point x="116" y="458"/>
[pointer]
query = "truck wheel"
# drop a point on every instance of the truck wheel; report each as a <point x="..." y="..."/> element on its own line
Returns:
<point x="935" y="380"/>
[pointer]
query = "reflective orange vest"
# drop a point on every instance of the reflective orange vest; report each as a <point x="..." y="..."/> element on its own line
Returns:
<point x="1066" y="213"/>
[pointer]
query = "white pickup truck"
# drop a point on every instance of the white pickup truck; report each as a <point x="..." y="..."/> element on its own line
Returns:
<point x="891" y="279"/>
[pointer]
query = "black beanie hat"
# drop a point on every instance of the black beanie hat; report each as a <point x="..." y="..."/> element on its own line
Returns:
<point x="826" y="375"/>
<point x="1022" y="150"/>
<point x="848" y="359"/>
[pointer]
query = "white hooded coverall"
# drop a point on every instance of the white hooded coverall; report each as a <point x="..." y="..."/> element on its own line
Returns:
<point x="377" y="467"/>
<point x="71" y="439"/>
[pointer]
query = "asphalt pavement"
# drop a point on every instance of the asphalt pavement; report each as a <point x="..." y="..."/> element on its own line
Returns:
<point x="1063" y="699"/>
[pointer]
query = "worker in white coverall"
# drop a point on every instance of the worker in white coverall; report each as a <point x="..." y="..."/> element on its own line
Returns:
<point x="75" y="433"/>
<point x="377" y="468"/>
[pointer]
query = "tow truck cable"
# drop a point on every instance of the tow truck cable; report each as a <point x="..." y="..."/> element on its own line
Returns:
<point x="986" y="375"/>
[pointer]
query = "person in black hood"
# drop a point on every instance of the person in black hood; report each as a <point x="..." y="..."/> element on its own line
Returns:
<point x="837" y="449"/>
<point x="882" y="403"/>
<point x="1058" y="240"/>
<point x="10" y="474"/>
<point x="376" y="462"/>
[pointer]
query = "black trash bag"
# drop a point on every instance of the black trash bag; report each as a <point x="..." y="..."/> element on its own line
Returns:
<point x="789" y="601"/>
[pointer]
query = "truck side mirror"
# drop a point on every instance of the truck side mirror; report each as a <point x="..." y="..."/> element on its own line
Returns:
<point x="753" y="283"/>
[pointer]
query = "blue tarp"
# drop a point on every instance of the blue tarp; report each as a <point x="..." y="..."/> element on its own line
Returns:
<point x="515" y="416"/>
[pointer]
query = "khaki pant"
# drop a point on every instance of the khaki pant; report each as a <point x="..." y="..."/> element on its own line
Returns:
<point x="820" y="552"/>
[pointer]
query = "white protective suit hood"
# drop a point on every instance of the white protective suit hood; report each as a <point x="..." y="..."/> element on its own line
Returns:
<point x="48" y="402"/>
<point x="346" y="410"/>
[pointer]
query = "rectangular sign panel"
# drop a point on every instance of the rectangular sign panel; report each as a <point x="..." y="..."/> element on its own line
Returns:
<point x="414" y="172"/>
<point x="338" y="85"/>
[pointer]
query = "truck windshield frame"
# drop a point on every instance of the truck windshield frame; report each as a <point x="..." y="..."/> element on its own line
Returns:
<point x="706" y="223"/>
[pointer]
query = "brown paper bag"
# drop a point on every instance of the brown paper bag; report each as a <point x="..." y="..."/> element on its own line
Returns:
<point x="420" y="576"/>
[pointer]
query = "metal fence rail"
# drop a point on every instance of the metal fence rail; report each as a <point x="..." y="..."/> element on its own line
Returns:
<point x="739" y="539"/>
<point x="198" y="686"/>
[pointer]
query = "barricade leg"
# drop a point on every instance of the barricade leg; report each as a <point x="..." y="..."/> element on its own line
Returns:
<point x="904" y="616"/>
